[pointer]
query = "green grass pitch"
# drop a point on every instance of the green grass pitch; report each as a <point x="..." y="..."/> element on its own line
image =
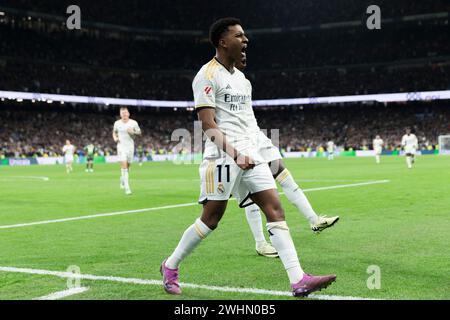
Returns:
<point x="402" y="226"/>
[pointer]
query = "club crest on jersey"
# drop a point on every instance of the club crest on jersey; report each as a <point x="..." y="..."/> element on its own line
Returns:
<point x="207" y="90"/>
<point x="220" y="188"/>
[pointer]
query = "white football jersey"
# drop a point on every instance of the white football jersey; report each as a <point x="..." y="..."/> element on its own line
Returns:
<point x="409" y="142"/>
<point x="121" y="129"/>
<point x="69" y="149"/>
<point x="330" y="146"/>
<point x="378" y="143"/>
<point x="230" y="94"/>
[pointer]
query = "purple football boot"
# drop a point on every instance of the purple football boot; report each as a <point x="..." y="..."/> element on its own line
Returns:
<point x="310" y="283"/>
<point x="170" y="279"/>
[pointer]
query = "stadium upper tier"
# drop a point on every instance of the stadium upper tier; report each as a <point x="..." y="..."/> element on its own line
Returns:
<point x="334" y="47"/>
<point x="42" y="55"/>
<point x="199" y="14"/>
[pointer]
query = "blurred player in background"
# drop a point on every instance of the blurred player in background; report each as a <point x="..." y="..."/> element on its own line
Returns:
<point x="410" y="145"/>
<point x="330" y="149"/>
<point x="90" y="152"/>
<point x="140" y="154"/>
<point x="292" y="191"/>
<point x="232" y="163"/>
<point x="68" y="151"/>
<point x="377" y="147"/>
<point x="124" y="132"/>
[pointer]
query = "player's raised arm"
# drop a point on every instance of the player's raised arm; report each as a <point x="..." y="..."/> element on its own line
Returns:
<point x="209" y="126"/>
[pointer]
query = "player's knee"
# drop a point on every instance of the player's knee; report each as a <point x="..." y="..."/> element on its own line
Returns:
<point x="275" y="213"/>
<point x="279" y="213"/>
<point x="210" y="222"/>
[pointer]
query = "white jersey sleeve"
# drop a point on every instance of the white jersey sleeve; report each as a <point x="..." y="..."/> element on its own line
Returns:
<point x="204" y="90"/>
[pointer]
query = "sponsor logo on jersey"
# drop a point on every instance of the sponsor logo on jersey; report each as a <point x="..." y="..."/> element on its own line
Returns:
<point x="241" y="98"/>
<point x="207" y="90"/>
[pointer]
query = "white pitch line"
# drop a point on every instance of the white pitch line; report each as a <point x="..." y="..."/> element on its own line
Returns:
<point x="63" y="294"/>
<point x="347" y="185"/>
<point x="92" y="216"/>
<point x="159" y="283"/>
<point x="109" y="214"/>
<point x="11" y="178"/>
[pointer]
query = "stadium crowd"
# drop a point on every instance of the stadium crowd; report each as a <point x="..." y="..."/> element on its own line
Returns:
<point x="45" y="57"/>
<point x="177" y="14"/>
<point x="293" y="49"/>
<point x="41" y="55"/>
<point x="42" y="132"/>
<point x="402" y="57"/>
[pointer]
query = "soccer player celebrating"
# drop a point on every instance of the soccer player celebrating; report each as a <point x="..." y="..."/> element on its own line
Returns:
<point x="90" y="151"/>
<point x="410" y="146"/>
<point x="232" y="163"/>
<point x="377" y="147"/>
<point x="124" y="132"/>
<point x="293" y="192"/>
<point x="330" y="149"/>
<point x="68" y="151"/>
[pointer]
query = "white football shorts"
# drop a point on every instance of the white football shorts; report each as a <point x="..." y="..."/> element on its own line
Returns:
<point x="410" y="150"/>
<point x="378" y="150"/>
<point x="221" y="178"/>
<point x="68" y="158"/>
<point x="267" y="150"/>
<point x="125" y="154"/>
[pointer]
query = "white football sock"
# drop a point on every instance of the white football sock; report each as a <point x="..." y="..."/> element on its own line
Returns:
<point x="125" y="178"/>
<point x="408" y="161"/>
<point x="189" y="241"/>
<point x="296" y="196"/>
<point x="377" y="158"/>
<point x="255" y="222"/>
<point x="282" y="241"/>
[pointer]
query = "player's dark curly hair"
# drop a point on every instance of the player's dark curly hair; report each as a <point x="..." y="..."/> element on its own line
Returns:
<point x="219" y="27"/>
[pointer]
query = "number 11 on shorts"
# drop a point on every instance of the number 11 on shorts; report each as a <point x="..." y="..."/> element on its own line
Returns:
<point x="219" y="176"/>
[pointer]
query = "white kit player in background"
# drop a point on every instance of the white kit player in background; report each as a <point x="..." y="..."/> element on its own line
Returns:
<point x="410" y="146"/>
<point x="68" y="151"/>
<point x="330" y="150"/>
<point x="378" y="147"/>
<point x="124" y="132"/>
